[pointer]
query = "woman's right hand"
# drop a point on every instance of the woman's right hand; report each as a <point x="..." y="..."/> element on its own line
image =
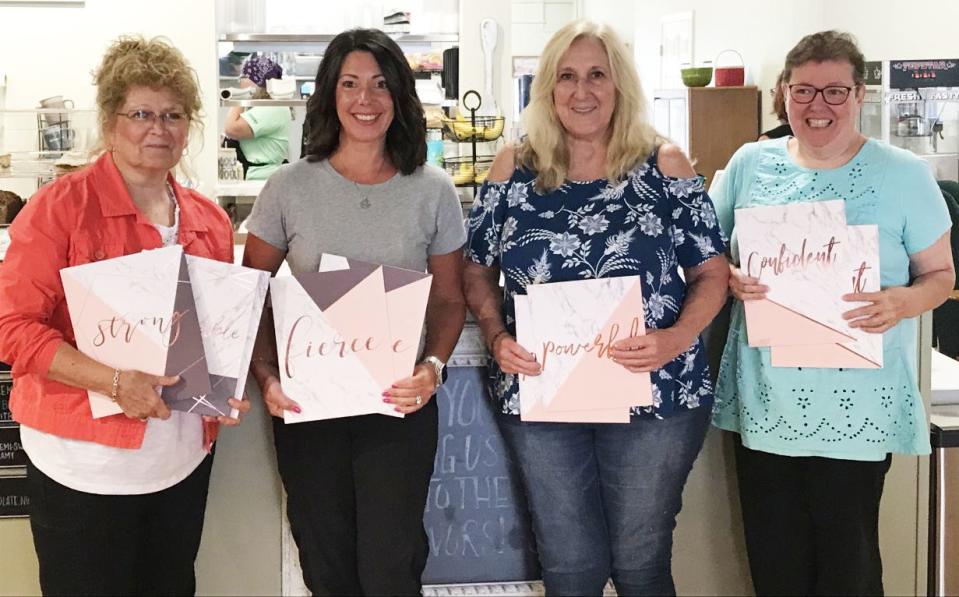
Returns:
<point x="513" y="358"/>
<point x="744" y="287"/>
<point x="276" y="401"/>
<point x="138" y="397"/>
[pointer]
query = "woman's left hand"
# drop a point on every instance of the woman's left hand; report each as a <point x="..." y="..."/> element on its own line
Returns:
<point x="650" y="352"/>
<point x="885" y="309"/>
<point x="412" y="393"/>
<point x="243" y="406"/>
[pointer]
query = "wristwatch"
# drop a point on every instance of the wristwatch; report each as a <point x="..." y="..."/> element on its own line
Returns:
<point x="439" y="367"/>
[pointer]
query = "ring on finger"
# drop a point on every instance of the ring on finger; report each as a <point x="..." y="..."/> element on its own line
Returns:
<point x="419" y="400"/>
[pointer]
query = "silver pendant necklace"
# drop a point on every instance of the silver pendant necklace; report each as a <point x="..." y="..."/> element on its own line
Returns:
<point x="365" y="203"/>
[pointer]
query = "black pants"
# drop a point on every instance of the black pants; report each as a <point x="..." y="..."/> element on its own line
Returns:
<point x="356" y="491"/>
<point x="90" y="544"/>
<point x="811" y="523"/>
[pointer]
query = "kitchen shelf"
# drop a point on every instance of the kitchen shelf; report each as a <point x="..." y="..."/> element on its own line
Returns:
<point x="294" y="77"/>
<point x="326" y="38"/>
<point x="249" y="103"/>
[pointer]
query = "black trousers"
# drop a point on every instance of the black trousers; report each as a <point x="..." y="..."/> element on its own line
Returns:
<point x="90" y="544"/>
<point x="356" y="491"/>
<point x="811" y="523"/>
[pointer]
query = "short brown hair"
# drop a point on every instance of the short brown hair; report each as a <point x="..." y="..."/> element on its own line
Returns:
<point x="823" y="46"/>
<point x="779" y="98"/>
<point x="134" y="60"/>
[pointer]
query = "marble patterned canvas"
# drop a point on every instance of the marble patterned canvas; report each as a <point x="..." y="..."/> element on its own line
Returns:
<point x="345" y="334"/>
<point x="122" y="311"/>
<point x="229" y="302"/>
<point x="570" y="327"/>
<point x="801" y="252"/>
<point x="864" y="350"/>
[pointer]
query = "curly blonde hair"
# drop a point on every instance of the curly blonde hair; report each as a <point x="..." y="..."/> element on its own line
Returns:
<point x="134" y="60"/>
<point x="632" y="137"/>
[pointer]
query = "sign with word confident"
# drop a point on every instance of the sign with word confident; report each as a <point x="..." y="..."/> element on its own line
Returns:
<point x="809" y="258"/>
<point x="345" y="334"/>
<point x="571" y="327"/>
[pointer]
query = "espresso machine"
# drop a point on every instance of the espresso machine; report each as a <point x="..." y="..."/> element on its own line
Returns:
<point x="922" y="111"/>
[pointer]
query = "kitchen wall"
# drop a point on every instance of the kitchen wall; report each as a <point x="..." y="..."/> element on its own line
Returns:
<point x="52" y="50"/>
<point x="764" y="31"/>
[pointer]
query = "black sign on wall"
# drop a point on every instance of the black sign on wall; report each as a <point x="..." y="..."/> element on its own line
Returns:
<point x="6" y="385"/>
<point x="11" y="451"/>
<point x="14" y="500"/>
<point x="476" y="516"/>
<point x="911" y="74"/>
<point x="873" y="72"/>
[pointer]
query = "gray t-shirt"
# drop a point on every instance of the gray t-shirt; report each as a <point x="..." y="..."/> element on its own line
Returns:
<point x="308" y="208"/>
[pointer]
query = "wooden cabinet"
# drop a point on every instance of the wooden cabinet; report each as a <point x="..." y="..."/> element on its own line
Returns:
<point x="709" y="123"/>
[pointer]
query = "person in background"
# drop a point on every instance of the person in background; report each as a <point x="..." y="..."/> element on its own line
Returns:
<point x="813" y="445"/>
<point x="592" y="191"/>
<point x="779" y="109"/>
<point x="357" y="486"/>
<point x="117" y="503"/>
<point x="260" y="134"/>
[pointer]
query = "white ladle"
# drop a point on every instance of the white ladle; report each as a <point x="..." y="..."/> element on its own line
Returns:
<point x="488" y="34"/>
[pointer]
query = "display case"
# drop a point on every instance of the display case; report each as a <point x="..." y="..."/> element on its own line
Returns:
<point x="300" y="55"/>
<point x="708" y="123"/>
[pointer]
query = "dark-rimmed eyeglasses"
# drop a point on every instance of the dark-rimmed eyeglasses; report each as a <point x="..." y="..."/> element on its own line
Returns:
<point x="146" y="117"/>
<point x="834" y="95"/>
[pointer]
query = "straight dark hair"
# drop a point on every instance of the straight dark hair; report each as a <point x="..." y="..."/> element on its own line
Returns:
<point x="406" y="137"/>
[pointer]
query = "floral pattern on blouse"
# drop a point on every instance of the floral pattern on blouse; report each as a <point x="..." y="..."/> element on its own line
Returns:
<point x="648" y="225"/>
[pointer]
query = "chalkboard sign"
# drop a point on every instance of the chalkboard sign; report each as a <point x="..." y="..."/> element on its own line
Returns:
<point x="14" y="500"/>
<point x="6" y="385"/>
<point x="476" y="517"/>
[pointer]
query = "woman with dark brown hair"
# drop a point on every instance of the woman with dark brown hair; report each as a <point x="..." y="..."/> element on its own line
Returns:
<point x="357" y="486"/>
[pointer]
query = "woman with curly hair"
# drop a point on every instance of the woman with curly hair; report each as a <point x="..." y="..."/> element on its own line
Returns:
<point x="117" y="503"/>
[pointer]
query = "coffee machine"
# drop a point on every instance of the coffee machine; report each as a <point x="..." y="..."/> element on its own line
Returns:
<point x="922" y="111"/>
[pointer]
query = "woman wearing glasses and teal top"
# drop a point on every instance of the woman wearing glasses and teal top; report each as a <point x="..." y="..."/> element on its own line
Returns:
<point x="814" y="445"/>
<point x="117" y="503"/>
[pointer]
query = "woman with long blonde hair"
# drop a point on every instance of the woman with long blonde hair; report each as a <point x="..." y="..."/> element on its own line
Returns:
<point x="593" y="192"/>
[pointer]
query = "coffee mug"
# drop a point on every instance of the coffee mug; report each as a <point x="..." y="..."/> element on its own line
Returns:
<point x="55" y="102"/>
<point x="57" y="138"/>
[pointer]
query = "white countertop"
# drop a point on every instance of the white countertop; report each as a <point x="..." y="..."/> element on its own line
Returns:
<point x="945" y="380"/>
<point x="239" y="188"/>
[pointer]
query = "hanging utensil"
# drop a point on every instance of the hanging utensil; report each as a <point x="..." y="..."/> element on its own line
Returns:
<point x="488" y="34"/>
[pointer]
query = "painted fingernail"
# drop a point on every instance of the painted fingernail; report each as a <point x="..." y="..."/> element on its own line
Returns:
<point x="387" y="400"/>
<point x="397" y="409"/>
<point x="297" y="409"/>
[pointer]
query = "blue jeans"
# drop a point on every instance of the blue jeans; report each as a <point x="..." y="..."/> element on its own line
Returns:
<point x="604" y="498"/>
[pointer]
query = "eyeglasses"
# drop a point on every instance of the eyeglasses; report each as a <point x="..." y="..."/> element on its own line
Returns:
<point x="834" y="95"/>
<point x="147" y="118"/>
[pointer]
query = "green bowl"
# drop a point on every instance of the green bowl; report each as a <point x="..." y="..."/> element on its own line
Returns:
<point x="698" y="76"/>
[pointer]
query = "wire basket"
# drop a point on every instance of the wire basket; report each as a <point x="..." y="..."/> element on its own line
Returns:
<point x="486" y="128"/>
<point x="464" y="171"/>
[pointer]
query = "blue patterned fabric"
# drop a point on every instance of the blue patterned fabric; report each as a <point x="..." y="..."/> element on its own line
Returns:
<point x="648" y="225"/>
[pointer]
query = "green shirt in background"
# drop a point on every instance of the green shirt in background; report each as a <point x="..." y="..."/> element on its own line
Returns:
<point x="270" y="142"/>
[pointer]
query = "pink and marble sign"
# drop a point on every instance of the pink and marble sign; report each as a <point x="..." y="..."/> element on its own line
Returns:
<point x="229" y="302"/>
<point x="345" y="334"/>
<point x="570" y="327"/>
<point x="136" y="312"/>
